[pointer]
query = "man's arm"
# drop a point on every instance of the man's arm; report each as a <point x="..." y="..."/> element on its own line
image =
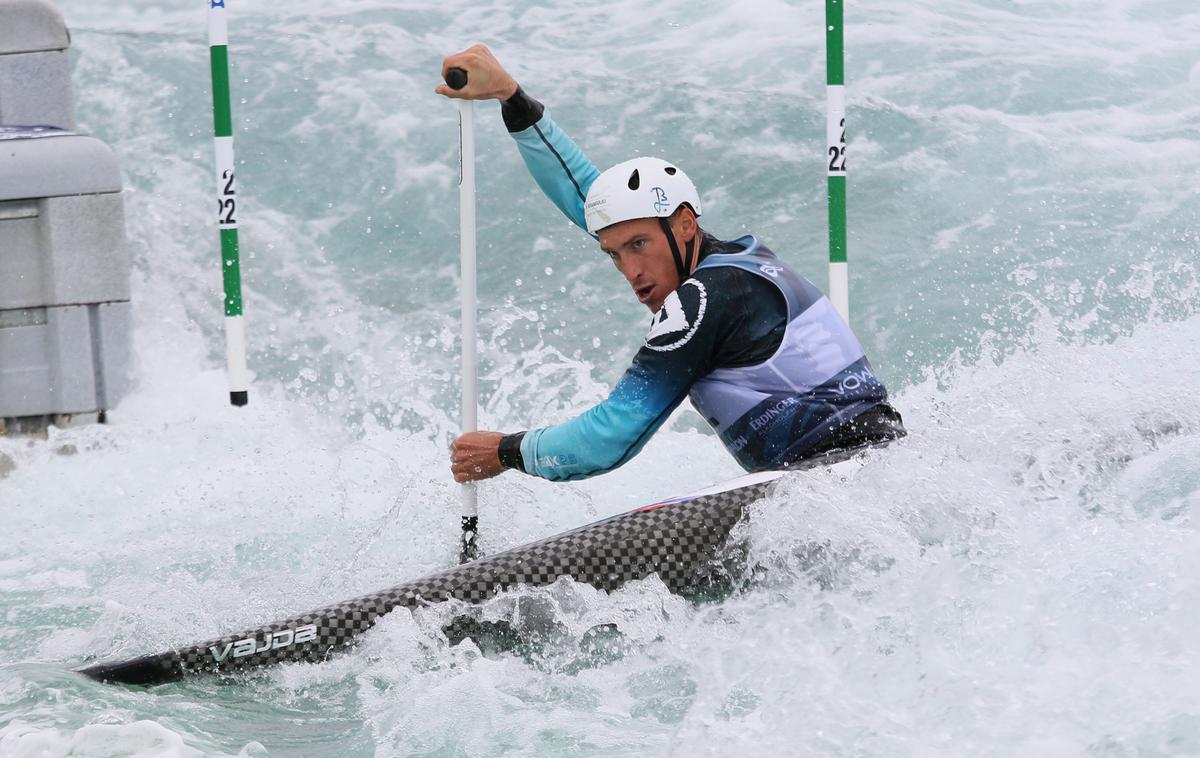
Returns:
<point x="599" y="440"/>
<point x="557" y="164"/>
<point x="559" y="167"/>
<point x="718" y="320"/>
<point x="609" y="434"/>
<point x="685" y="337"/>
<point x="614" y="431"/>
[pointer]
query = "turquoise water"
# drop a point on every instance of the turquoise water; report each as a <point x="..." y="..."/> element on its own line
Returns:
<point x="1020" y="577"/>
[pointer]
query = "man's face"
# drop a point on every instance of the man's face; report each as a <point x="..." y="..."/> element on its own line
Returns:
<point x="639" y="250"/>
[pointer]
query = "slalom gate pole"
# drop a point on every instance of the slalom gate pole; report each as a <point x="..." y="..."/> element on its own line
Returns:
<point x="835" y="155"/>
<point x="235" y="328"/>
<point x="456" y="78"/>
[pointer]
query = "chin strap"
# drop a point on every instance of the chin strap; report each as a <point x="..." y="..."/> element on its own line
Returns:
<point x="682" y="265"/>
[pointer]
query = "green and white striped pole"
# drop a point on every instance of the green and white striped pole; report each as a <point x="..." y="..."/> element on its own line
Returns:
<point x="235" y="328"/>
<point x="835" y="156"/>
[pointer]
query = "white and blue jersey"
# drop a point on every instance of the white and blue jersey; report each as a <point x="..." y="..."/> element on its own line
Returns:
<point x="759" y="349"/>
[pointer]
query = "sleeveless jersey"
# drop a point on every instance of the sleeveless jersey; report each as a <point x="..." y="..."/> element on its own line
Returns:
<point x="771" y="414"/>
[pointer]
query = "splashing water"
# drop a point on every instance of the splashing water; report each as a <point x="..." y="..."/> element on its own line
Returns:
<point x="1018" y="577"/>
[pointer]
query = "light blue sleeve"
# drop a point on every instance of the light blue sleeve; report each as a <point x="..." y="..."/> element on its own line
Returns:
<point x="558" y="166"/>
<point x="614" y="431"/>
<point x="604" y="437"/>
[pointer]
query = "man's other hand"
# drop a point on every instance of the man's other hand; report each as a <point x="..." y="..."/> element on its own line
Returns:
<point x="475" y="456"/>
<point x="486" y="78"/>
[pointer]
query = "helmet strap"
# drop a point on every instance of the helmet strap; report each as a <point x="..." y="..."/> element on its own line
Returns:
<point x="684" y="268"/>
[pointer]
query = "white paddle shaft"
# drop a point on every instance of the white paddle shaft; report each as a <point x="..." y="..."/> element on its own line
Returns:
<point x="466" y="231"/>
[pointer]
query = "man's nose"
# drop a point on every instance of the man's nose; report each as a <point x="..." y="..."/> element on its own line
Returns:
<point x="630" y="270"/>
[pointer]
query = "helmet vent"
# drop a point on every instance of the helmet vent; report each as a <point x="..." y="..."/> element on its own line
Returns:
<point x="635" y="180"/>
<point x="670" y="170"/>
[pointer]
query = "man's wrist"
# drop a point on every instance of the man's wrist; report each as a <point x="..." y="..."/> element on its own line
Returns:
<point x="510" y="451"/>
<point x="520" y="111"/>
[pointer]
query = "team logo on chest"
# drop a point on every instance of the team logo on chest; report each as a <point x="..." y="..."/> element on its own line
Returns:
<point x="679" y="318"/>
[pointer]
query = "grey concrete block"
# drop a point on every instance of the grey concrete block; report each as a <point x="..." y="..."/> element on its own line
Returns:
<point x="63" y="251"/>
<point x="30" y="26"/>
<point x="113" y="346"/>
<point x="56" y="166"/>
<point x="35" y="89"/>
<point x="72" y="368"/>
<point x="34" y="379"/>
<point x="22" y="281"/>
<point x="86" y="252"/>
<point x="71" y="359"/>
<point x="35" y="75"/>
<point x="24" y="365"/>
<point x="65" y="319"/>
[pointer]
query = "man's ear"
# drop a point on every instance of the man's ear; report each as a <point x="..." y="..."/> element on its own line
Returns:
<point x="685" y="222"/>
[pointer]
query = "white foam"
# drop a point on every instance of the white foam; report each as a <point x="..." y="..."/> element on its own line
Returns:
<point x="140" y="739"/>
<point x="1011" y="579"/>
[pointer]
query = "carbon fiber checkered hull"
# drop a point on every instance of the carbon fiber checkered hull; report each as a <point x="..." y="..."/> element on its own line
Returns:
<point x="676" y="541"/>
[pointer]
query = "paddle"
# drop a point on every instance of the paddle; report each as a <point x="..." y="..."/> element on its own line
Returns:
<point x="456" y="78"/>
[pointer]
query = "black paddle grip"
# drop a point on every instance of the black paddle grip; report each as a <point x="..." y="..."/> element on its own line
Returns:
<point x="456" y="78"/>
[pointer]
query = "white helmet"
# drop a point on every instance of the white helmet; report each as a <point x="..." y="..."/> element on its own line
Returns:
<point x="638" y="188"/>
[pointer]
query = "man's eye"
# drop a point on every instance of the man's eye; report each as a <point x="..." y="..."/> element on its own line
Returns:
<point x="639" y="244"/>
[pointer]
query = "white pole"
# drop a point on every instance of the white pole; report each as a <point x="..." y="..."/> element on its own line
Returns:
<point x="470" y="389"/>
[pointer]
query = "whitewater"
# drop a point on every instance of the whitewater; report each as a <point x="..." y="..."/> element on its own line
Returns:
<point x="1020" y="576"/>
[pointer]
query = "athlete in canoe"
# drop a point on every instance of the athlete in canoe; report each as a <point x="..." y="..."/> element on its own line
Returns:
<point x="760" y="351"/>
